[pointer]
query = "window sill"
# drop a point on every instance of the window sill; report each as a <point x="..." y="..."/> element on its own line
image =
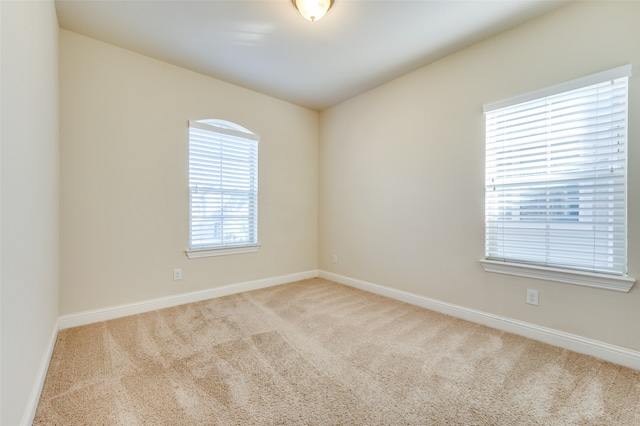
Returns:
<point x="607" y="282"/>
<point x="222" y="251"/>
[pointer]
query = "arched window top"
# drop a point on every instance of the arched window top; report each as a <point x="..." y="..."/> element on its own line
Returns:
<point x="225" y="124"/>
<point x="223" y="186"/>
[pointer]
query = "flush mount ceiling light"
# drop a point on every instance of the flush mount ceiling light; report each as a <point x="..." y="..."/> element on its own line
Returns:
<point x="313" y="10"/>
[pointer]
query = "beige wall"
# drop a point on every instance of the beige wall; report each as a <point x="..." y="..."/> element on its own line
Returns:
<point x="402" y="172"/>
<point x="124" y="194"/>
<point x="29" y="192"/>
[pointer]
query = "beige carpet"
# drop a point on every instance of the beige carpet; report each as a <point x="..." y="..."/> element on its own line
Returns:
<point x="319" y="353"/>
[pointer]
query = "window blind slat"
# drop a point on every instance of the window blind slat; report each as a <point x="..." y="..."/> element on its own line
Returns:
<point x="223" y="183"/>
<point x="556" y="179"/>
<point x="608" y="75"/>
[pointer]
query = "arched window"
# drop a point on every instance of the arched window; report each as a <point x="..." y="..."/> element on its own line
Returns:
<point x="223" y="188"/>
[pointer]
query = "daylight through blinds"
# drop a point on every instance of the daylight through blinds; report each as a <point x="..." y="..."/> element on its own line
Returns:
<point x="223" y="186"/>
<point x="556" y="170"/>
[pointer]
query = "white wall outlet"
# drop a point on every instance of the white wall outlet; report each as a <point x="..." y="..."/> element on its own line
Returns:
<point x="335" y="258"/>
<point x="532" y="297"/>
<point x="177" y="274"/>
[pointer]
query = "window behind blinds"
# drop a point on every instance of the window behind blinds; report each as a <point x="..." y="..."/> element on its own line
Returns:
<point x="556" y="172"/>
<point x="223" y="185"/>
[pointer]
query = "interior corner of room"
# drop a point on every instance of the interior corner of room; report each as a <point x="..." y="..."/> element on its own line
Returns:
<point x="383" y="191"/>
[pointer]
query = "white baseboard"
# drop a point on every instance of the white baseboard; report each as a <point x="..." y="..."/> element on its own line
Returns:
<point x="605" y="351"/>
<point x="34" y="397"/>
<point x="104" y="314"/>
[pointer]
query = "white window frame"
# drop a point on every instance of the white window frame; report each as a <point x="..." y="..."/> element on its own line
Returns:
<point x="233" y="151"/>
<point x="554" y="272"/>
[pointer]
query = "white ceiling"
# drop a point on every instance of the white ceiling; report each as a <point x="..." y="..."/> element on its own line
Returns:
<point x="266" y="46"/>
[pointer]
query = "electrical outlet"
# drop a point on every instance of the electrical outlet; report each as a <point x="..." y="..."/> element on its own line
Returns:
<point x="177" y="274"/>
<point x="532" y="297"/>
<point x="335" y="258"/>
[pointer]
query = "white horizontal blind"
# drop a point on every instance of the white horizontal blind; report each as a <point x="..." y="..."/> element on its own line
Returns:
<point x="556" y="171"/>
<point x="223" y="186"/>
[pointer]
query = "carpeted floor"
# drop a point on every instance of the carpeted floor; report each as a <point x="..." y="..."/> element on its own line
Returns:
<point x="318" y="353"/>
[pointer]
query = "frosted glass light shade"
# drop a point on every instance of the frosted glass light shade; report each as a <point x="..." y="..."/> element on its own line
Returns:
<point x="313" y="10"/>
